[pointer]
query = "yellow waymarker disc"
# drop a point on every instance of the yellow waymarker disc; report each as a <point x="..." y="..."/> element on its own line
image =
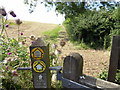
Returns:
<point x="37" y="53"/>
<point x="39" y="66"/>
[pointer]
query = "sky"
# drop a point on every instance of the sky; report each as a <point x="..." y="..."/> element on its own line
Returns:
<point x="40" y="13"/>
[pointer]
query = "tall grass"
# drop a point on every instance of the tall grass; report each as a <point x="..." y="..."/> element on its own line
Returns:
<point x="53" y="34"/>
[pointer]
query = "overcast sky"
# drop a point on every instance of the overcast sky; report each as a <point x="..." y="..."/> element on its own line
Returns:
<point x="40" y="14"/>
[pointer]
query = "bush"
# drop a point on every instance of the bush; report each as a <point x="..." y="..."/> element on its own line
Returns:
<point x="94" y="28"/>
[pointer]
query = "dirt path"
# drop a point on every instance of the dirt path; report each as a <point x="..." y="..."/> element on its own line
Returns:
<point x="94" y="60"/>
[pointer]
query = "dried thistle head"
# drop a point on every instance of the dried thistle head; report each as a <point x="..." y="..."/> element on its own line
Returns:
<point x="32" y="37"/>
<point x="62" y="43"/>
<point x="3" y="12"/>
<point x="12" y="13"/>
<point x="18" y="21"/>
<point x="23" y="42"/>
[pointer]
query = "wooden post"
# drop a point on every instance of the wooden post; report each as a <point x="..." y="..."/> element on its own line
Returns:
<point x="39" y="53"/>
<point x="114" y="58"/>
<point x="73" y="67"/>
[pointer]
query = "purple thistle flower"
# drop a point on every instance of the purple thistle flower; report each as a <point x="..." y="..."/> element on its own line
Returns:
<point x="14" y="73"/>
<point x="12" y="13"/>
<point x="21" y="33"/>
<point x="33" y="42"/>
<point x="7" y="25"/>
<point x="3" y="12"/>
<point x="9" y="53"/>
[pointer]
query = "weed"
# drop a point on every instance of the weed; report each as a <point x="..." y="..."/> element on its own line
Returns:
<point x="104" y="76"/>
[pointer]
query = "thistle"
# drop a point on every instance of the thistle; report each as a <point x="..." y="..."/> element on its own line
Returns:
<point x="18" y="21"/>
<point x="3" y="12"/>
<point x="12" y="13"/>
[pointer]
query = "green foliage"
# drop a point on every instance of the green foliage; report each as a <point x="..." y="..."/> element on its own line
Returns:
<point x="80" y="45"/>
<point x="13" y="54"/>
<point x="53" y="34"/>
<point x="85" y="23"/>
<point x="104" y="76"/>
<point x="94" y="28"/>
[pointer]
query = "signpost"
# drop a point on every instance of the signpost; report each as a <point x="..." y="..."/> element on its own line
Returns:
<point x="39" y="53"/>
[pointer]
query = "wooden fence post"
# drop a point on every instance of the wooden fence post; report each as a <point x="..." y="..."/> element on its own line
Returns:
<point x="39" y="53"/>
<point x="114" y="58"/>
<point x="73" y="67"/>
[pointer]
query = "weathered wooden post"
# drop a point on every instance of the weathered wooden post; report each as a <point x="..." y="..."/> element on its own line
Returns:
<point x="73" y="67"/>
<point x="114" y="59"/>
<point x="39" y="53"/>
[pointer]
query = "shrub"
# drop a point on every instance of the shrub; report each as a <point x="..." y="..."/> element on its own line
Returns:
<point x="94" y="28"/>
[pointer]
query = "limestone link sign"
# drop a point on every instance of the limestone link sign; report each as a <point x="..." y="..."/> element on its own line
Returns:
<point x="39" y="66"/>
<point x="37" y="53"/>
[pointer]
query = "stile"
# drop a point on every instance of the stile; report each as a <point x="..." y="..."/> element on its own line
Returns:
<point x="39" y="53"/>
<point x="114" y="59"/>
<point x="73" y="67"/>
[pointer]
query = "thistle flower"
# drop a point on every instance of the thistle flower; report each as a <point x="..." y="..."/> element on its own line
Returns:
<point x="3" y="12"/>
<point x="12" y="13"/>
<point x="62" y="43"/>
<point x="14" y="73"/>
<point x="23" y="42"/>
<point x="32" y="42"/>
<point x="18" y="21"/>
<point x="21" y="33"/>
<point x="32" y="37"/>
<point x="7" y="25"/>
<point x="9" y="53"/>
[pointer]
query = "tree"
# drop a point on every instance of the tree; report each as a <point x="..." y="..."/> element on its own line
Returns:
<point x="93" y="23"/>
<point x="71" y="9"/>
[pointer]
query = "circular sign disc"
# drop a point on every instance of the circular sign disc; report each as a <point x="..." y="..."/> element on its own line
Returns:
<point x="39" y="66"/>
<point x="37" y="53"/>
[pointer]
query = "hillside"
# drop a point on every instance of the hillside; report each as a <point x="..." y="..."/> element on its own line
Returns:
<point x="29" y="28"/>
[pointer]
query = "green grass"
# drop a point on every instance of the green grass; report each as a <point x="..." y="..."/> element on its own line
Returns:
<point x="80" y="46"/>
<point x="53" y="34"/>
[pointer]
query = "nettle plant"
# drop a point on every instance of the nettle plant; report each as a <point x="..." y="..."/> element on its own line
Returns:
<point x="13" y="54"/>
